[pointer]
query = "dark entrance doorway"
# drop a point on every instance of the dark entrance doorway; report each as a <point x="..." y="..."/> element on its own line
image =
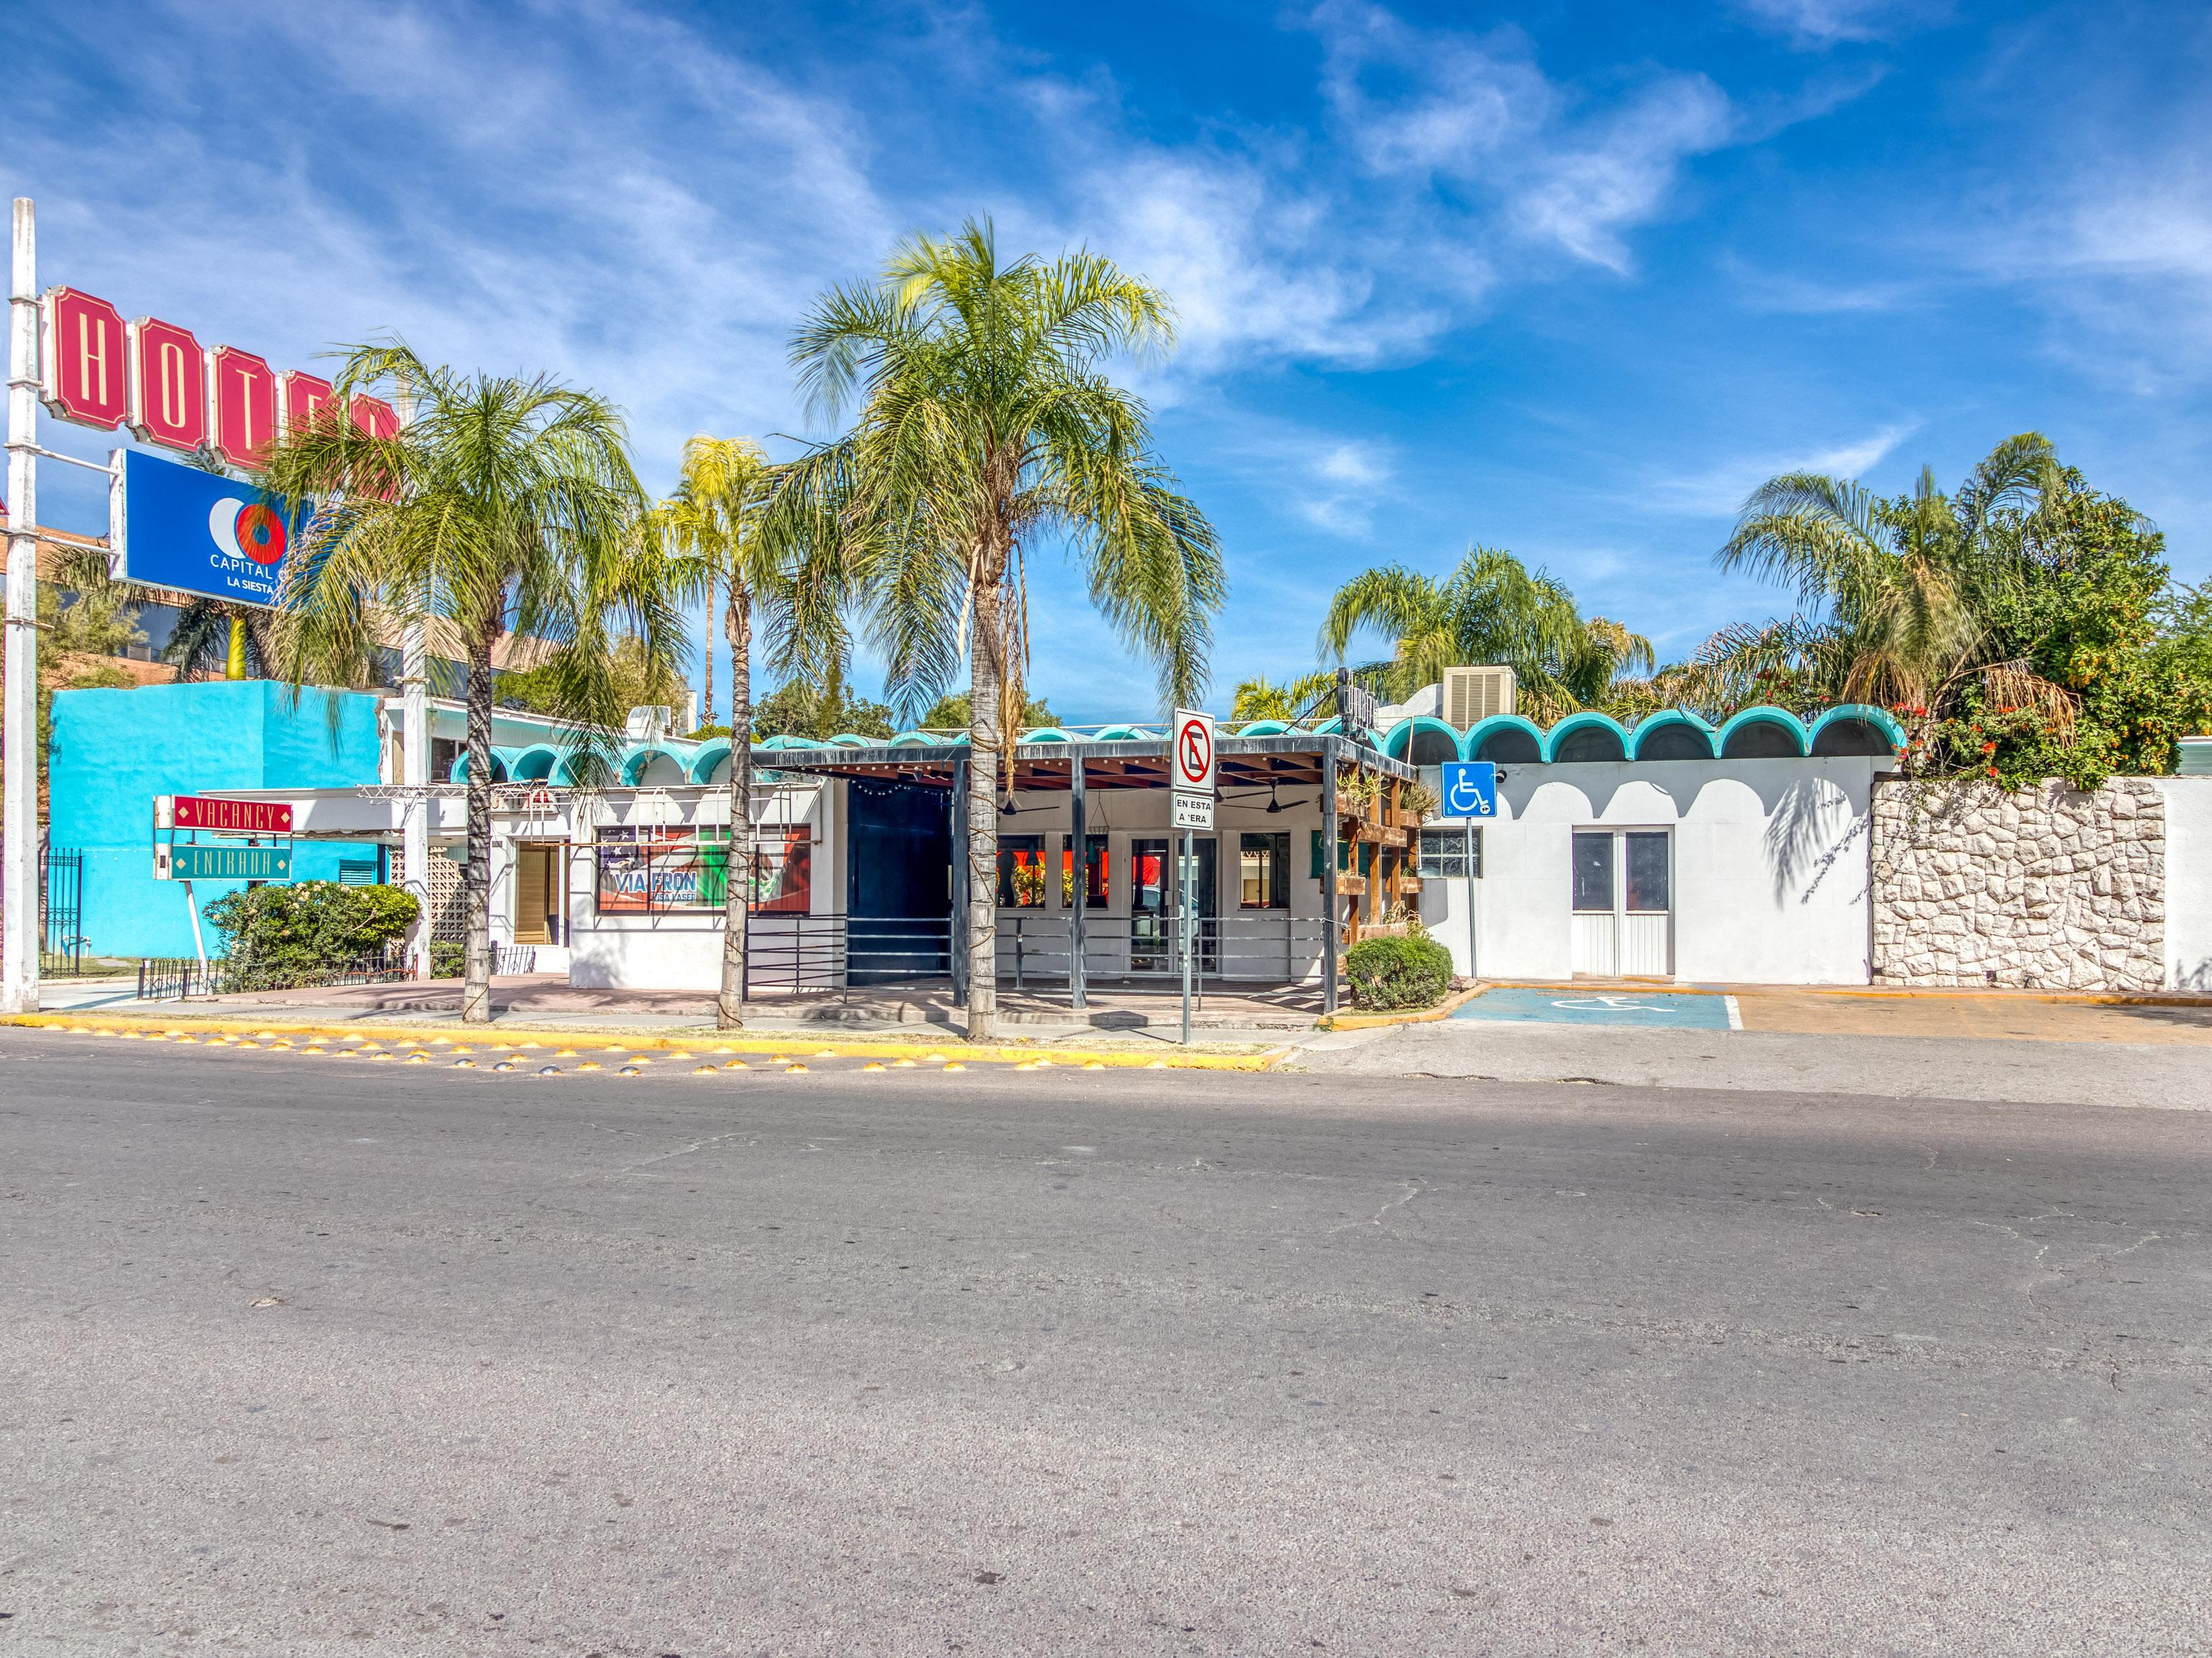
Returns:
<point x="898" y="882"/>
<point x="1155" y="890"/>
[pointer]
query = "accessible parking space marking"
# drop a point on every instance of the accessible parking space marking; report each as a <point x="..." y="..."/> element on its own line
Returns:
<point x="1567" y="1006"/>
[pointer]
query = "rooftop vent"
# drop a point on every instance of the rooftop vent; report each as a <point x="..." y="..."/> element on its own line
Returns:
<point x="1471" y="695"/>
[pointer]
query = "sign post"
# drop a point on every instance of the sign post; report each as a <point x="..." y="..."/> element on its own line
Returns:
<point x="1469" y="791"/>
<point x="1191" y="772"/>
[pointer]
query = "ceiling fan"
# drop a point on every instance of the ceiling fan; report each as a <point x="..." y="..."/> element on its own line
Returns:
<point x="1275" y="804"/>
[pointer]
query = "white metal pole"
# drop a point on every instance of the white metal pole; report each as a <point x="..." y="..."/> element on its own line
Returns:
<point x="1189" y="941"/>
<point x="415" y="773"/>
<point x="199" y="943"/>
<point x="19" y="993"/>
<point x="415" y="759"/>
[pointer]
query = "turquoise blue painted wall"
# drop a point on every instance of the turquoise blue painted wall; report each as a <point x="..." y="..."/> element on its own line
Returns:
<point x="114" y="750"/>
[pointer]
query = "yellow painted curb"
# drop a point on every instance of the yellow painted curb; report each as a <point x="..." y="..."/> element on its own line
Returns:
<point x="1443" y="1009"/>
<point x="736" y="1041"/>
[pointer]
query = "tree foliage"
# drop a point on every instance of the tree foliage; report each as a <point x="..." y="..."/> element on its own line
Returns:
<point x="501" y="503"/>
<point x="283" y="935"/>
<point x="956" y="713"/>
<point x="796" y="709"/>
<point x="1490" y="608"/>
<point x="987" y="428"/>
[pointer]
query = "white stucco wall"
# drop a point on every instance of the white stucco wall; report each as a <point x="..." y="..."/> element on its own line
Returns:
<point x="1770" y="868"/>
<point x="2188" y="882"/>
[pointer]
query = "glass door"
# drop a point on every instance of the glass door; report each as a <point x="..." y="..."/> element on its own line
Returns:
<point x="1623" y="915"/>
<point x="1151" y="904"/>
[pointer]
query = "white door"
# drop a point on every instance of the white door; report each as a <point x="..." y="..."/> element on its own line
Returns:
<point x="1623" y="919"/>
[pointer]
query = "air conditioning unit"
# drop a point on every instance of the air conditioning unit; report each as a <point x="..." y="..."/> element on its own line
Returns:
<point x="650" y="724"/>
<point x="1471" y="695"/>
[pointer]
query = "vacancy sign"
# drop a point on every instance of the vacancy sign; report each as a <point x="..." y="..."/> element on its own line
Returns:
<point x="1191" y="769"/>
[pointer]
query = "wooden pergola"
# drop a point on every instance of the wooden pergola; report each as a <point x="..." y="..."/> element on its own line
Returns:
<point x="1078" y="768"/>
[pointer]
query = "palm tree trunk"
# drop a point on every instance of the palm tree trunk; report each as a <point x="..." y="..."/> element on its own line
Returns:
<point x="985" y="673"/>
<point x="737" y="900"/>
<point x="475" y="878"/>
<point x="235" y="666"/>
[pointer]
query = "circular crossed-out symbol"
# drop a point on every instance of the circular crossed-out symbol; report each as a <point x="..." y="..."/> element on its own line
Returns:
<point x="1197" y="752"/>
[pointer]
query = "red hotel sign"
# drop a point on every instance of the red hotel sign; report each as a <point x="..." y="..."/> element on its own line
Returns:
<point x="99" y="371"/>
<point x="231" y="816"/>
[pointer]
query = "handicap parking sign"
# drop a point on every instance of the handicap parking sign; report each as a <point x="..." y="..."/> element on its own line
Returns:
<point x="1470" y="789"/>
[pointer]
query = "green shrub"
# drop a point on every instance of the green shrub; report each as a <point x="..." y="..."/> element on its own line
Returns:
<point x="1391" y="973"/>
<point x="281" y="936"/>
<point x="448" y="960"/>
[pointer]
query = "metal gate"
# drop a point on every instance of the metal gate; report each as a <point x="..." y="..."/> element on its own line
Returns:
<point x="61" y="912"/>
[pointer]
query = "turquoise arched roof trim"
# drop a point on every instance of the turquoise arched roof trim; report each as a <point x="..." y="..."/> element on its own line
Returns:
<point x="917" y="740"/>
<point x="1880" y="719"/>
<point x="1767" y="714"/>
<point x="564" y="768"/>
<point x="853" y="740"/>
<point x="636" y="758"/>
<point x="535" y="763"/>
<point x="1046" y="734"/>
<point x="1582" y="721"/>
<point x="1666" y="717"/>
<point x="783" y="740"/>
<point x="503" y="761"/>
<point x="1483" y="730"/>
<point x="1124" y="734"/>
<point x="1264" y="728"/>
<point x="1399" y="739"/>
<point x="711" y="754"/>
<point x="1328" y="727"/>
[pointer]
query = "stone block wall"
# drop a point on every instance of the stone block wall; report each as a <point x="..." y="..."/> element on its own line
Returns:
<point x="2048" y="888"/>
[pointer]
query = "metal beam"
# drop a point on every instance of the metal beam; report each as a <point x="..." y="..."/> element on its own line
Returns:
<point x="1079" y="849"/>
<point x="1330" y="902"/>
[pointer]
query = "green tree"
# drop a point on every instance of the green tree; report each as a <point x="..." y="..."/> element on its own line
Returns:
<point x="781" y="575"/>
<point x="640" y="680"/>
<point x="798" y="709"/>
<point x="956" y="713"/>
<point x="988" y="425"/>
<point x="1261" y="698"/>
<point x="2014" y="626"/>
<point x="500" y="498"/>
<point x="1491" y="609"/>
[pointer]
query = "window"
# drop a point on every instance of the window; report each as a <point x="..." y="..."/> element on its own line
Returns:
<point x="444" y="750"/>
<point x="1263" y="871"/>
<point x="648" y="870"/>
<point x="1593" y="859"/>
<point x="1451" y="854"/>
<point x="1647" y="872"/>
<point x="1021" y="871"/>
<point x="1094" y="872"/>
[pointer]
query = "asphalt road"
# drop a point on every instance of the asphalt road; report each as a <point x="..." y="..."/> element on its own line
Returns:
<point x="304" y="1358"/>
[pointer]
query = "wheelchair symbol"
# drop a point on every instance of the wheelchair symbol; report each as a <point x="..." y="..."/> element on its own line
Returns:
<point x="1470" y="789"/>
<point x="1609" y="1004"/>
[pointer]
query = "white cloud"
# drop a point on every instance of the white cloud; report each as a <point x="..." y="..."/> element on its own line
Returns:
<point x="1816" y="23"/>
<point x="1720" y="490"/>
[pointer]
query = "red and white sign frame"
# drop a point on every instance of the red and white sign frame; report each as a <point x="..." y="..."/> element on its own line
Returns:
<point x="1192" y="759"/>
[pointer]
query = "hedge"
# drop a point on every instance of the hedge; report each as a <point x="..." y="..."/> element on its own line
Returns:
<point x="1394" y="973"/>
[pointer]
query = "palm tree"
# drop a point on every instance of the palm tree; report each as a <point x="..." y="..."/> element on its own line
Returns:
<point x="500" y="499"/>
<point x="715" y="523"/>
<point x="1895" y="590"/>
<point x="1491" y="609"/>
<point x="985" y="423"/>
<point x="211" y="632"/>
<point x="1261" y="698"/>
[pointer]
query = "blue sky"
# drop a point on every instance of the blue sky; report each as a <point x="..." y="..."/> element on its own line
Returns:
<point x="1568" y="279"/>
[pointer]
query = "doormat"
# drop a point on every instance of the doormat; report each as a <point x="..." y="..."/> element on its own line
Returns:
<point x="1630" y="1007"/>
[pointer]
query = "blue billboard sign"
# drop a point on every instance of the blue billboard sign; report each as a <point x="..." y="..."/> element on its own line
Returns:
<point x="1470" y="789"/>
<point x="200" y="532"/>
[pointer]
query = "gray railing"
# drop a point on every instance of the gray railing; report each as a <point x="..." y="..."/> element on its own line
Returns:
<point x="1267" y="946"/>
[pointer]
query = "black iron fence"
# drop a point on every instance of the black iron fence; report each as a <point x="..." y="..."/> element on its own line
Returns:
<point x="795" y="953"/>
<point x="171" y="978"/>
<point x="1271" y="947"/>
<point x="61" y="912"/>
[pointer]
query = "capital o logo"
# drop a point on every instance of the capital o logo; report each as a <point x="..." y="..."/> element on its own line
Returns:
<point x="246" y="529"/>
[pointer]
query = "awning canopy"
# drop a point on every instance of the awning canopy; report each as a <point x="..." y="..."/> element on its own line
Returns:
<point x="1242" y="762"/>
